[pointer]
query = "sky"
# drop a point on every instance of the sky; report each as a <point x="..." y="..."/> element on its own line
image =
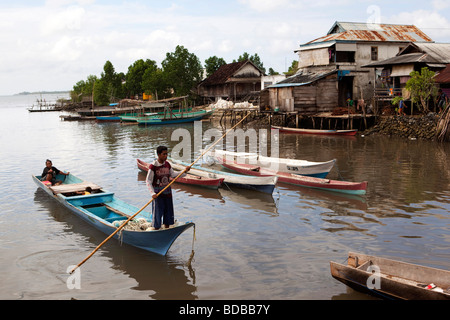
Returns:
<point x="51" y="45"/>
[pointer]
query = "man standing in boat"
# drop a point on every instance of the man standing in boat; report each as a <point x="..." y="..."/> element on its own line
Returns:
<point x="158" y="177"/>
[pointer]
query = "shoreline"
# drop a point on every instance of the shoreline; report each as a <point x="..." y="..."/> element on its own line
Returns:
<point x="411" y="127"/>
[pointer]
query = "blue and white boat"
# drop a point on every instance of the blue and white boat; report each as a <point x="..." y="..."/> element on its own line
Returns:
<point x="264" y="184"/>
<point x="295" y="166"/>
<point x="106" y="212"/>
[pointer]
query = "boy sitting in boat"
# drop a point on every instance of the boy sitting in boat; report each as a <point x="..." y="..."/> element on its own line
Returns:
<point x="50" y="172"/>
<point x="158" y="177"/>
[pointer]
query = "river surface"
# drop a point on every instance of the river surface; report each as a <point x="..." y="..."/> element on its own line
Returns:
<point x="247" y="245"/>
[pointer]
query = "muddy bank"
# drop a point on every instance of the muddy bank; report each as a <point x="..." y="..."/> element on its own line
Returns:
<point x="411" y="127"/>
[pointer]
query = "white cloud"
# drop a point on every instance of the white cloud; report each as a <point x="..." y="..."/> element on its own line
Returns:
<point x="66" y="20"/>
<point x="436" y="26"/>
<point x="265" y="5"/>
<point x="64" y="41"/>
<point x="440" y="4"/>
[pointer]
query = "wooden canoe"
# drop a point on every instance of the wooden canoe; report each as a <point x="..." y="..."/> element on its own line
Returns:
<point x="107" y="118"/>
<point x="294" y="166"/>
<point x="264" y="184"/>
<point x="350" y="132"/>
<point x="212" y="183"/>
<point x="391" y="279"/>
<point x="104" y="211"/>
<point x="357" y="188"/>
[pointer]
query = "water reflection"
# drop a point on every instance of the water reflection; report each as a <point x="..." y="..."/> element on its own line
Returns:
<point x="247" y="247"/>
<point x="166" y="277"/>
<point x="251" y="200"/>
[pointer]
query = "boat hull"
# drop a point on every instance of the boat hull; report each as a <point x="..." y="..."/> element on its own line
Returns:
<point x="262" y="184"/>
<point x="390" y="279"/>
<point x="351" y="132"/>
<point x="189" y="178"/>
<point x="294" y="166"/>
<point x="173" y="118"/>
<point x="355" y="188"/>
<point x="107" y="118"/>
<point x="89" y="207"/>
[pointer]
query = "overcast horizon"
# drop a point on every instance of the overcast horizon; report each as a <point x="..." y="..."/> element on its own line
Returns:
<point x="51" y="45"/>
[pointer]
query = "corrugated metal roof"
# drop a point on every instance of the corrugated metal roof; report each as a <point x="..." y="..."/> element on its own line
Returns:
<point x="403" y="59"/>
<point x="444" y="75"/>
<point x="429" y="53"/>
<point x="439" y="51"/>
<point x="352" y="31"/>
<point x="301" y="79"/>
<point x="225" y="72"/>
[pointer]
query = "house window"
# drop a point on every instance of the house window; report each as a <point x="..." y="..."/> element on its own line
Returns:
<point x="345" y="56"/>
<point x="374" y="53"/>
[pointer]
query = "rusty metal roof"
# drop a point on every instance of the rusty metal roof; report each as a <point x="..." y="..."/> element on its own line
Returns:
<point x="351" y="31"/>
<point x="444" y="75"/>
<point x="225" y="72"/>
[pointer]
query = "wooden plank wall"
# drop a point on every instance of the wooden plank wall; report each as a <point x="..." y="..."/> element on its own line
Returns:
<point x="321" y="96"/>
<point x="305" y="98"/>
<point x="327" y="95"/>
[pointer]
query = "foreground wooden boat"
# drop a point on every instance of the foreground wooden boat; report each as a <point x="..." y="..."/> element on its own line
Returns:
<point x="357" y="188"/>
<point x="350" y="132"/>
<point x="390" y="279"/>
<point x="302" y="167"/>
<point x="213" y="183"/>
<point x="106" y="212"/>
<point x="263" y="184"/>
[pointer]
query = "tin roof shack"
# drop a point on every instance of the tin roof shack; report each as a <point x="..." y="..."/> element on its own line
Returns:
<point x="348" y="46"/>
<point x="395" y="71"/>
<point x="233" y="81"/>
<point x="304" y="92"/>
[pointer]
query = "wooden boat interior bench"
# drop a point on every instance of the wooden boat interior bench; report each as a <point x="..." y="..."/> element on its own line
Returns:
<point x="98" y="202"/>
<point x="74" y="187"/>
<point x="105" y="212"/>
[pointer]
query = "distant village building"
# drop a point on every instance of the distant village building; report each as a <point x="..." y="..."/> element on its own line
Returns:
<point x="395" y="72"/>
<point x="233" y="82"/>
<point x="267" y="81"/>
<point x="331" y="68"/>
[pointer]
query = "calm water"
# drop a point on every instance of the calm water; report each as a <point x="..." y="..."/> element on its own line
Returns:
<point x="248" y="245"/>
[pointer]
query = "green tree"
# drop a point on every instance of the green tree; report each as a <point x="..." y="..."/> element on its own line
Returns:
<point x="182" y="70"/>
<point x="272" y="72"/>
<point x="112" y="82"/>
<point x="154" y="82"/>
<point x="212" y="64"/>
<point x="293" y="68"/>
<point x="83" y="88"/>
<point x="255" y="59"/>
<point x="422" y="87"/>
<point x="101" y="93"/>
<point x="135" y="75"/>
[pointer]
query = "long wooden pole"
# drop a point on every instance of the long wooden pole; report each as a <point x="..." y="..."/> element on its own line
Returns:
<point x="151" y="200"/>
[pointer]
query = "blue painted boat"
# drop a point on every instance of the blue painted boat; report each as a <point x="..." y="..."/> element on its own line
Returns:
<point x="264" y="184"/>
<point x="161" y="120"/>
<point x="106" y="212"/>
<point x="107" y="118"/>
<point x="167" y="117"/>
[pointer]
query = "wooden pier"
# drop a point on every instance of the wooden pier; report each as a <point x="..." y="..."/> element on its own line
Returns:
<point x="295" y="119"/>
